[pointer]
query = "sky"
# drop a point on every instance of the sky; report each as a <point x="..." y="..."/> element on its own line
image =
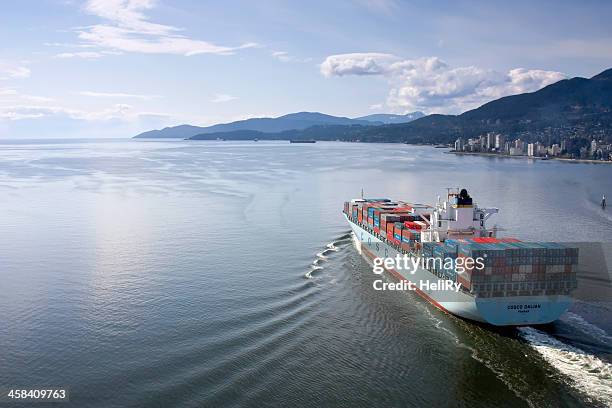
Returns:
<point x="114" y="68"/>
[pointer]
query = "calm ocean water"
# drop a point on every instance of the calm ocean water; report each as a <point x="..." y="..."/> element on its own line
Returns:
<point x="172" y="273"/>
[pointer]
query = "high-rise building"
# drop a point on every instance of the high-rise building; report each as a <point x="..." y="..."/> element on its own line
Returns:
<point x="541" y="150"/>
<point x="554" y="150"/>
<point x="490" y="141"/>
<point x="519" y="146"/>
<point x="499" y="142"/>
<point x="459" y="145"/>
<point x="531" y="149"/>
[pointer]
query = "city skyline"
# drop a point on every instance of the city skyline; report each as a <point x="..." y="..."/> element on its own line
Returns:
<point x="577" y="147"/>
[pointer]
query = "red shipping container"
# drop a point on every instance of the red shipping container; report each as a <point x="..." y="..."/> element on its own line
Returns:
<point x="509" y="240"/>
<point x="412" y="225"/>
<point x="376" y="230"/>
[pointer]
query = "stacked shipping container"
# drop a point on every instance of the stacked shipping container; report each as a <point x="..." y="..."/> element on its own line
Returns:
<point x="511" y="267"/>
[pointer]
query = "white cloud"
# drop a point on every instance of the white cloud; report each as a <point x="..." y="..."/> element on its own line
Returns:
<point x="284" y="56"/>
<point x="36" y="98"/>
<point x="62" y="122"/>
<point x="128" y="29"/>
<point x="68" y="45"/>
<point x="128" y="13"/>
<point x="116" y="95"/>
<point x="120" y="111"/>
<point x="366" y="63"/>
<point x="220" y="98"/>
<point x="281" y="56"/>
<point x="376" y="106"/>
<point x="18" y="112"/>
<point x="8" y="95"/>
<point x="86" y="54"/>
<point x="9" y="71"/>
<point x="7" y="92"/>
<point x="432" y="85"/>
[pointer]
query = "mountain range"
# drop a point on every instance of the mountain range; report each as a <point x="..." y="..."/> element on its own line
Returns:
<point x="387" y="118"/>
<point x="292" y="121"/>
<point x="568" y="107"/>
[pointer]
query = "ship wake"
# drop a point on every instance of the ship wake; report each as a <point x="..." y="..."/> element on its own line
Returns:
<point x="497" y="369"/>
<point x="588" y="328"/>
<point x="322" y="256"/>
<point x="586" y="372"/>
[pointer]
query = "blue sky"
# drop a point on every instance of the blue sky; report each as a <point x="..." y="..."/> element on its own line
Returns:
<point x="112" y="68"/>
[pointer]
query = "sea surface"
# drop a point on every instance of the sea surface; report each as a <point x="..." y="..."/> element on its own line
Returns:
<point x="166" y="273"/>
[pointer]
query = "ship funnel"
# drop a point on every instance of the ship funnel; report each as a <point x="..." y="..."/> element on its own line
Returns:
<point x="464" y="198"/>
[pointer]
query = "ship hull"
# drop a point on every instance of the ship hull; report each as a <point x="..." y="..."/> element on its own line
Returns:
<point x="498" y="311"/>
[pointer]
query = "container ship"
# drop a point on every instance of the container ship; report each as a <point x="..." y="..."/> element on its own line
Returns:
<point x="516" y="283"/>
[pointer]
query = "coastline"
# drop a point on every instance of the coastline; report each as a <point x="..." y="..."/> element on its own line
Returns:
<point x="506" y="156"/>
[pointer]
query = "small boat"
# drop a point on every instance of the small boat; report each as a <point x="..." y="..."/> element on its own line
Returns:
<point x="302" y="141"/>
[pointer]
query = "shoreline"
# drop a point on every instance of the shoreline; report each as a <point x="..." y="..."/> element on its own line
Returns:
<point x="507" y="156"/>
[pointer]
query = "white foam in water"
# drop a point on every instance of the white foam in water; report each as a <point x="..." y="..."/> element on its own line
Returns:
<point x="586" y="327"/>
<point x="588" y="373"/>
<point x="356" y="242"/>
<point x="320" y="257"/>
<point x="313" y="268"/>
<point x="331" y="246"/>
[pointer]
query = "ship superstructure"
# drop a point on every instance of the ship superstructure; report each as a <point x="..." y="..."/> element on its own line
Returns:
<point x="458" y="217"/>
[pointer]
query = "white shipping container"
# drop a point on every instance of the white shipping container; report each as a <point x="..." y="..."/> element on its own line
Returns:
<point x="422" y="224"/>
